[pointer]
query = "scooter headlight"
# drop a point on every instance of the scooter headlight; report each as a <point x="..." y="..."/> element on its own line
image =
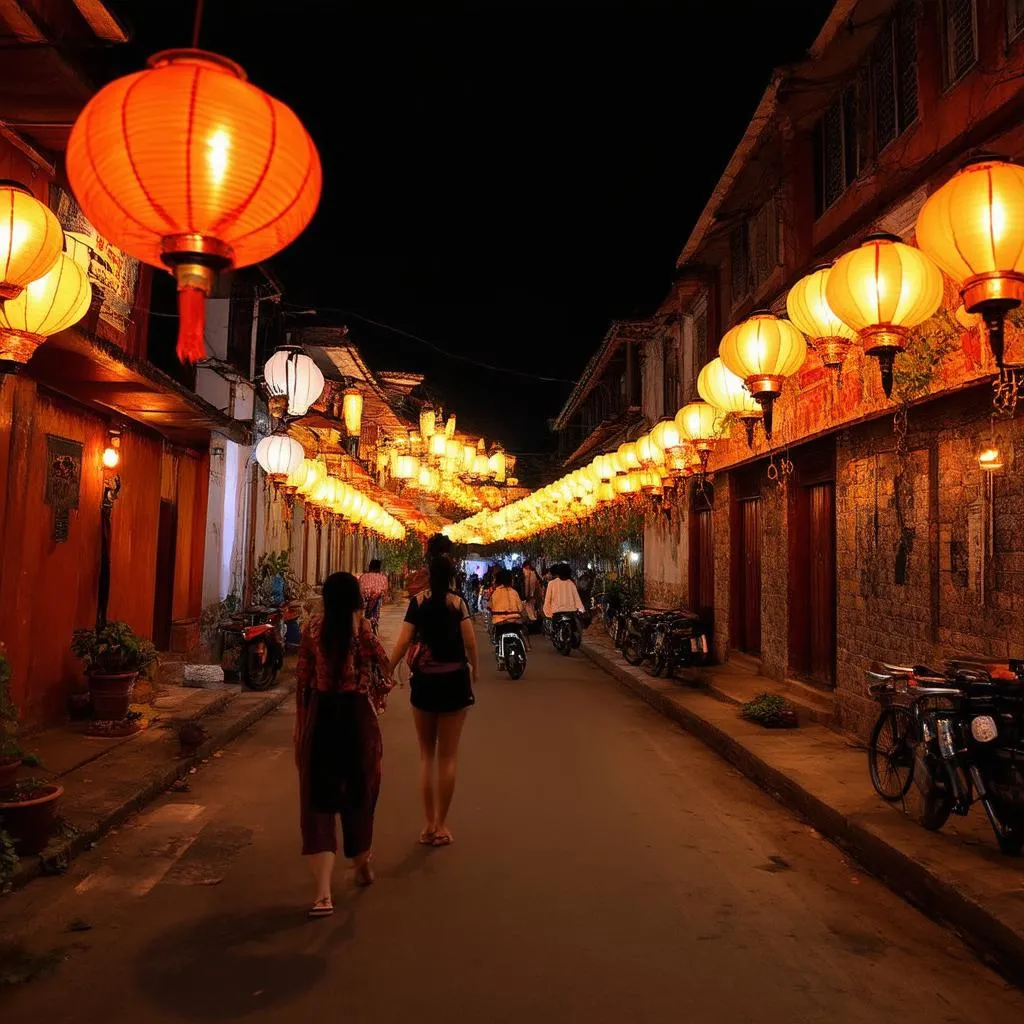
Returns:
<point x="983" y="728"/>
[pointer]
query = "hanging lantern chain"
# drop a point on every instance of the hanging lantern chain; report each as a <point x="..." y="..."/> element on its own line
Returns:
<point x="197" y="24"/>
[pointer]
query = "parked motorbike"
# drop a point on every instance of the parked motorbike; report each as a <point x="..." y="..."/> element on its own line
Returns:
<point x="677" y="641"/>
<point x="639" y="634"/>
<point x="510" y="648"/>
<point x="965" y="726"/>
<point x="259" y="634"/>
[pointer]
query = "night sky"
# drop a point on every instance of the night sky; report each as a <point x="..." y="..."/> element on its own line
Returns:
<point x="501" y="178"/>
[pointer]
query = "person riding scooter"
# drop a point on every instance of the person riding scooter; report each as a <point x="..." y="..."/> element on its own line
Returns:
<point x="506" y="604"/>
<point x="563" y="597"/>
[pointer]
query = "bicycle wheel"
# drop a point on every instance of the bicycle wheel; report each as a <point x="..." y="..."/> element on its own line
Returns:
<point x="891" y="753"/>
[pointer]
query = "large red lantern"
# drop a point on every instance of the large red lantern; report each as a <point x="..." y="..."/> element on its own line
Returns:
<point x="188" y="166"/>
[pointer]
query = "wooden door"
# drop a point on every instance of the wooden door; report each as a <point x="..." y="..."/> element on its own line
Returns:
<point x="750" y="576"/>
<point x="702" y="566"/>
<point x="821" y="590"/>
<point x="163" y="598"/>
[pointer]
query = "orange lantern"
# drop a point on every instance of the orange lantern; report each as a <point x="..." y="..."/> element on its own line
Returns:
<point x="809" y="309"/>
<point x="188" y="166"/>
<point x="31" y="239"/>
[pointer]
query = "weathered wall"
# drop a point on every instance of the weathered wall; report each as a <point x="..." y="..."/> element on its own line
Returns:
<point x="666" y="559"/>
<point x="927" y="566"/>
<point x="774" y="581"/>
<point x="723" y="561"/>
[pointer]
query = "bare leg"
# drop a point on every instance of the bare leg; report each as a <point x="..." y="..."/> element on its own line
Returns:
<point x="426" y="733"/>
<point x="363" y="868"/>
<point x="449" y="730"/>
<point x="322" y="866"/>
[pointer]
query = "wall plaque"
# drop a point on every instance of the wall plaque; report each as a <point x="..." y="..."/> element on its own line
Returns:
<point x="63" y="480"/>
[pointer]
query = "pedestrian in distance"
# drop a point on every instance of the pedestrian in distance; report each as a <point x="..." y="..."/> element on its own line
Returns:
<point x="343" y="677"/>
<point x="439" y="638"/>
<point x="373" y="586"/>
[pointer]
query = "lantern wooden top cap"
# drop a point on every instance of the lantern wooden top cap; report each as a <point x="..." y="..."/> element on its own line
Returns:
<point x="214" y="61"/>
<point x="881" y="236"/>
<point x="17" y="186"/>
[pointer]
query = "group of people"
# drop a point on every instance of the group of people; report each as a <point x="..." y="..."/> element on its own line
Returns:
<point x="344" y="676"/>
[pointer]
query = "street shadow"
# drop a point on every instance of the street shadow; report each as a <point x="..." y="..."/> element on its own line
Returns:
<point x="232" y="965"/>
<point x="415" y="861"/>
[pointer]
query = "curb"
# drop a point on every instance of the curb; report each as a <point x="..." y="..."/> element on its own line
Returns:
<point x="999" y="945"/>
<point x="58" y="854"/>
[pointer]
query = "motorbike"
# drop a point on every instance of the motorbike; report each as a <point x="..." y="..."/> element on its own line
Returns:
<point x="260" y="635"/>
<point x="639" y="632"/>
<point x="965" y="728"/>
<point x="679" y="641"/>
<point x="510" y="648"/>
<point x="563" y="635"/>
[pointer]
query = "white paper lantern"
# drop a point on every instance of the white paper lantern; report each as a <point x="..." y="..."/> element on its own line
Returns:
<point x="279" y="455"/>
<point x="294" y="382"/>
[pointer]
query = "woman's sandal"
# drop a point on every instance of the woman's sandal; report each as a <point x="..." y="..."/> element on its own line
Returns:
<point x="442" y="837"/>
<point x="323" y="907"/>
<point x="427" y="837"/>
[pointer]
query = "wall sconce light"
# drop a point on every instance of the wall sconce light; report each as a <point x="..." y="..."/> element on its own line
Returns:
<point x="112" y="453"/>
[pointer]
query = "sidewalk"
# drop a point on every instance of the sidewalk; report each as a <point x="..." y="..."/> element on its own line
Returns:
<point x="956" y="876"/>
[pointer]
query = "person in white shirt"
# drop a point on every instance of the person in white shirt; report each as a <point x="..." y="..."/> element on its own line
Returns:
<point x="562" y="596"/>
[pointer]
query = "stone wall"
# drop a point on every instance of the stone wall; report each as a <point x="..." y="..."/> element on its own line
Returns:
<point x="723" y="560"/>
<point x="929" y="554"/>
<point x="774" y="581"/>
<point x="666" y="559"/>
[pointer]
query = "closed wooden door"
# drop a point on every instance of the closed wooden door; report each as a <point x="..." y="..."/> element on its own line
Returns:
<point x="163" y="598"/>
<point x="750" y="576"/>
<point x="703" y="561"/>
<point x="821" y="603"/>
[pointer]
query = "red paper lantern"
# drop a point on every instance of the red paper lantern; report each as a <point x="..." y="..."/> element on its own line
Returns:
<point x="188" y="166"/>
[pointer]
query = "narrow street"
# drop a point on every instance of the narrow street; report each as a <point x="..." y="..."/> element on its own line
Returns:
<point x="606" y="867"/>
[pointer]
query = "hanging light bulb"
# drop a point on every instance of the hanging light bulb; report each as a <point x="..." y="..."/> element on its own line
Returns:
<point x="279" y="455"/>
<point x="31" y="239"/>
<point x="188" y="166"/>
<point x="973" y="228"/>
<point x="809" y="309"/>
<point x="44" y="307"/>
<point x="763" y="350"/>
<point x="352" y="411"/>
<point x="720" y="387"/>
<point x="884" y="289"/>
<point x="293" y="382"/>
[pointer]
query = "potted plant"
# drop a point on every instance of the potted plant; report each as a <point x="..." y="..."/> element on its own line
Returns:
<point x="113" y="656"/>
<point x="28" y="810"/>
<point x="771" y="711"/>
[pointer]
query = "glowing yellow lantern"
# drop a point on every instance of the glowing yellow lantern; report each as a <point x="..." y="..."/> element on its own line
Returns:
<point x="449" y="427"/>
<point x="438" y="445"/>
<point x="763" y="350"/>
<point x="973" y="228"/>
<point x="42" y="308"/>
<point x="808" y="308"/>
<point x="604" y="468"/>
<point x="480" y="466"/>
<point x="884" y="289"/>
<point x="428" y="421"/>
<point x="649" y="453"/>
<point x="496" y="465"/>
<point x="352" y="411"/>
<point x="468" y="454"/>
<point x="628" y="457"/>
<point x="407" y="467"/>
<point x="720" y="387"/>
<point x="31" y="239"/>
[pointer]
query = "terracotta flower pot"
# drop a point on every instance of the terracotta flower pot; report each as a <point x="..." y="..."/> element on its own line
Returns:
<point x="9" y="772"/>
<point x="30" y="822"/>
<point x="111" y="695"/>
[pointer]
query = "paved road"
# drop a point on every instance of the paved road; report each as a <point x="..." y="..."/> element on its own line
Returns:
<point x="607" y="868"/>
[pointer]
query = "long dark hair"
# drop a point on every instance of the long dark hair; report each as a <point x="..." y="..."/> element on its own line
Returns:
<point x="341" y="600"/>
<point x="439" y="629"/>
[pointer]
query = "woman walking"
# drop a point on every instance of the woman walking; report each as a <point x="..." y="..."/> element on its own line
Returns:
<point x="343" y="677"/>
<point x="444" y="668"/>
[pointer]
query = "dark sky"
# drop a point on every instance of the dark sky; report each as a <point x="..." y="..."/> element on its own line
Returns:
<point x="502" y="178"/>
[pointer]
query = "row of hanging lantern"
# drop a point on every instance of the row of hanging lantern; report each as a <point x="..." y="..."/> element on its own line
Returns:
<point x="972" y="228"/>
<point x="291" y="474"/>
<point x="44" y="282"/>
<point x="676" y="448"/>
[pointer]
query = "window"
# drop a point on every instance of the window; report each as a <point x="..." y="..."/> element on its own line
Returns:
<point x="1014" y="19"/>
<point x="959" y="38"/>
<point x="670" y="397"/>
<point x="873" y="110"/>
<point x="739" y="263"/>
<point x="754" y="250"/>
<point x="700" y="342"/>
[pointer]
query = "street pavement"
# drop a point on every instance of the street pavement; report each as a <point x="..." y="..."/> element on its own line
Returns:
<point x="606" y="868"/>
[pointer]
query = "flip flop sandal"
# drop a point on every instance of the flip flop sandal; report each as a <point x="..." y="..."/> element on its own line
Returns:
<point x="323" y="907"/>
<point x="427" y="838"/>
<point x="442" y="839"/>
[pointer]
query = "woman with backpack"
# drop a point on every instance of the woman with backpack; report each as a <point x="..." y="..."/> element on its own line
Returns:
<point x="443" y="663"/>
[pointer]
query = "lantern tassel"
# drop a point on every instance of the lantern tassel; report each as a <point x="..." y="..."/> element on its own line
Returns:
<point x="191" y="324"/>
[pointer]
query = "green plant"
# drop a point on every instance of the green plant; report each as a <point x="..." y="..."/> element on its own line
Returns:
<point x="273" y="566"/>
<point x="213" y="615"/>
<point x="112" y="649"/>
<point x="8" y="858"/>
<point x="397" y="556"/>
<point x="929" y="345"/>
<point x="9" y="747"/>
<point x="766" y="708"/>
